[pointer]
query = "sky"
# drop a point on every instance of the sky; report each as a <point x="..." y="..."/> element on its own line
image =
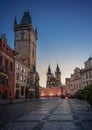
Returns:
<point x="64" y="32"/>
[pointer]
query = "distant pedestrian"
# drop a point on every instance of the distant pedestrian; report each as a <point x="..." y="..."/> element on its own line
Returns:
<point x="66" y="98"/>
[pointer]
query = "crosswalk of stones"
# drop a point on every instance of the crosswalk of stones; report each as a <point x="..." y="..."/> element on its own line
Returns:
<point x="59" y="114"/>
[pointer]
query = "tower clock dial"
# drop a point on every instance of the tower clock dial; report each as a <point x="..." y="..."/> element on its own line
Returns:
<point x="22" y="34"/>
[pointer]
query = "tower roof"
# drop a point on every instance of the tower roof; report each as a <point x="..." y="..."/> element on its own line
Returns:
<point x="90" y="58"/>
<point x="49" y="70"/>
<point x="57" y="69"/>
<point x="26" y="19"/>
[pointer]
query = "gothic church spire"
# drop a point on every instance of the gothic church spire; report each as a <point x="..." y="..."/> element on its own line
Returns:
<point x="15" y="21"/>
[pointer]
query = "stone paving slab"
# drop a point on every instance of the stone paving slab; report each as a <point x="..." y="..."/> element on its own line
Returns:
<point x="20" y="126"/>
<point x="85" y="117"/>
<point x="81" y="112"/>
<point x="60" y="118"/>
<point x="62" y="112"/>
<point x="32" y="117"/>
<point x="40" y="112"/>
<point x="87" y="125"/>
<point x="63" y="108"/>
<point x="59" y="126"/>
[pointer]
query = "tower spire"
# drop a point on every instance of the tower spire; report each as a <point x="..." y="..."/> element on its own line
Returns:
<point x="15" y="21"/>
<point x="57" y="69"/>
<point x="49" y="70"/>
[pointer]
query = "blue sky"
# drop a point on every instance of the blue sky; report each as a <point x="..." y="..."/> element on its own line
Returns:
<point x="64" y="31"/>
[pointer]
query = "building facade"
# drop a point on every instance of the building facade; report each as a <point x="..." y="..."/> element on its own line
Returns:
<point x="53" y="84"/>
<point x="21" y="78"/>
<point x="86" y="73"/>
<point x="53" y="80"/>
<point x="6" y="70"/>
<point x="80" y="78"/>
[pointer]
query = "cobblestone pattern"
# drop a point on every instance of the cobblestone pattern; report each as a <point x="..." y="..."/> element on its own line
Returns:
<point x="60" y="114"/>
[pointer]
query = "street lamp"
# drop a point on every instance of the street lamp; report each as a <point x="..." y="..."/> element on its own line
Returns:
<point x="10" y="94"/>
<point x="35" y="81"/>
<point x="26" y="94"/>
<point x="36" y="84"/>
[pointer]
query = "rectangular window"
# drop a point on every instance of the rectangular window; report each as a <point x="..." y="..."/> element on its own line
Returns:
<point x="21" y="68"/>
<point x="17" y="66"/>
<point x="7" y="82"/>
<point x="21" y="77"/>
<point x="22" y="90"/>
<point x="24" y="78"/>
<point x="24" y="70"/>
<point x="3" y="80"/>
<point x="17" y="85"/>
<point x="17" y="76"/>
<point x="11" y="66"/>
<point x="6" y="65"/>
<point x="0" y="60"/>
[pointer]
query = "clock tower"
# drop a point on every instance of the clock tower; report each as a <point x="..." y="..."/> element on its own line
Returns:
<point x="25" y="41"/>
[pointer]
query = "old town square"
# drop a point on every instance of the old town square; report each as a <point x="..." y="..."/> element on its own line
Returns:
<point x="46" y="65"/>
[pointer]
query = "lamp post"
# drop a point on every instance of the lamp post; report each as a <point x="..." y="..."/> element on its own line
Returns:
<point x="35" y="81"/>
<point x="26" y="94"/>
<point x="10" y="94"/>
<point x="36" y="84"/>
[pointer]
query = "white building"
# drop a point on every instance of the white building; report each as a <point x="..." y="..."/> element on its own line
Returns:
<point x="21" y="79"/>
<point x="86" y="73"/>
<point x="80" y="78"/>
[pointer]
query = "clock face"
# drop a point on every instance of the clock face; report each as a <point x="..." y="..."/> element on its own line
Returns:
<point x="22" y="34"/>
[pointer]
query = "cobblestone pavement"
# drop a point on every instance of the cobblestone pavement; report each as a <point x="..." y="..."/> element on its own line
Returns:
<point x="53" y="114"/>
